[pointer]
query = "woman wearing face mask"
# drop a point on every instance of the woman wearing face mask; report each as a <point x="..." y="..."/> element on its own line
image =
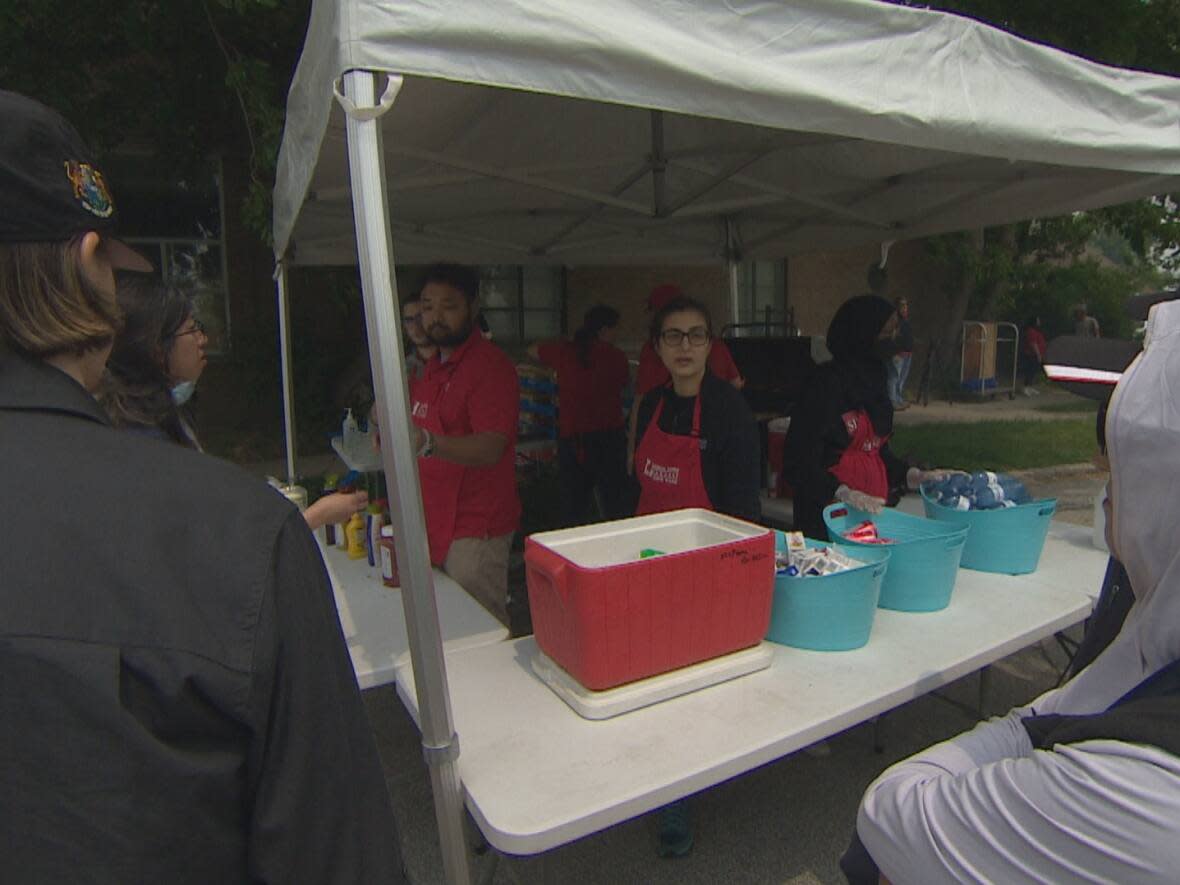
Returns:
<point x="837" y="446"/>
<point x="153" y="370"/>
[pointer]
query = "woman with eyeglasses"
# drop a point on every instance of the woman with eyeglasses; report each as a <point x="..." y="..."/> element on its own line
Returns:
<point x="696" y="439"/>
<point x="157" y="358"/>
<point x="697" y="446"/>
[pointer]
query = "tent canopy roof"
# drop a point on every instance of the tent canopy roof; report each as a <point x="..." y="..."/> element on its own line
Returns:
<point x="679" y="131"/>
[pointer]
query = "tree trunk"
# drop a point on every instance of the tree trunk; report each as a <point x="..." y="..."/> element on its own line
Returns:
<point x="959" y="296"/>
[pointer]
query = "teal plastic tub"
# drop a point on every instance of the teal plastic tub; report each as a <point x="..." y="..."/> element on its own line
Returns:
<point x="924" y="555"/>
<point x="1007" y="541"/>
<point x="828" y="612"/>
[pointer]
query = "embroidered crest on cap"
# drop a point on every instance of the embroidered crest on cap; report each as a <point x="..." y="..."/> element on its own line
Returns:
<point x="90" y="189"/>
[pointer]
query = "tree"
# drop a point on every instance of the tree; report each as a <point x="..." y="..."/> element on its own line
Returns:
<point x="189" y="78"/>
<point x="1047" y="265"/>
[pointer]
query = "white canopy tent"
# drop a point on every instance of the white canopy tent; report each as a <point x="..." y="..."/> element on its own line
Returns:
<point x="666" y="131"/>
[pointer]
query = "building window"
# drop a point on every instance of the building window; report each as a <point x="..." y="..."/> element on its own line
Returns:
<point x="178" y="226"/>
<point x="762" y="297"/>
<point x="521" y="303"/>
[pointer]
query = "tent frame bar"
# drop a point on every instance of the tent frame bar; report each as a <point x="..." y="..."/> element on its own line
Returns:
<point x="366" y="162"/>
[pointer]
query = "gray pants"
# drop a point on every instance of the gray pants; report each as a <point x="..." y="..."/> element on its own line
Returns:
<point x="480" y="566"/>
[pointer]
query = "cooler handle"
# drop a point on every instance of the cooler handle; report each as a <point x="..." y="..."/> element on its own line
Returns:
<point x="880" y="569"/>
<point x="1048" y="510"/>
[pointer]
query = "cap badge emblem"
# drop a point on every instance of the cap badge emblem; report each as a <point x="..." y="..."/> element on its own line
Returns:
<point x="90" y="189"/>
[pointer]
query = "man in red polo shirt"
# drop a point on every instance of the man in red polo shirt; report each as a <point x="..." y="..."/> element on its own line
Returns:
<point x="465" y="407"/>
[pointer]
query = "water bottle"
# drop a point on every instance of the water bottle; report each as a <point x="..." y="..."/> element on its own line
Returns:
<point x="351" y="437"/>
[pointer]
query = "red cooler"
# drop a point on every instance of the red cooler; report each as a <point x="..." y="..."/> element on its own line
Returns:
<point x="619" y="601"/>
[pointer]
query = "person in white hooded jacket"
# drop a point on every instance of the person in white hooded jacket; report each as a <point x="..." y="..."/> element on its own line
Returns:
<point x="1083" y="784"/>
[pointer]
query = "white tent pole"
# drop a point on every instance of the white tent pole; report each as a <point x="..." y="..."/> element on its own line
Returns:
<point x="370" y="208"/>
<point x="731" y="267"/>
<point x="285" y="366"/>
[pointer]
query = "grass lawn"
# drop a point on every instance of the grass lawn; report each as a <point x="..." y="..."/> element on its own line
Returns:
<point x="997" y="445"/>
<point x="1078" y="406"/>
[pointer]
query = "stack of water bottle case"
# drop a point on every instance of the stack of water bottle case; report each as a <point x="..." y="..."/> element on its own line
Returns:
<point x="617" y="602"/>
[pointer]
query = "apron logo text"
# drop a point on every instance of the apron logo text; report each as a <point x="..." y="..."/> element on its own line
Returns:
<point x="657" y="473"/>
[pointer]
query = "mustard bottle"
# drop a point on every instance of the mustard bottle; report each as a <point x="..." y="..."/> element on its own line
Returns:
<point x="354" y="531"/>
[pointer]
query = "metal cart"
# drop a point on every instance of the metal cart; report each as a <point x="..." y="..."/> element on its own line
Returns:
<point x="989" y="351"/>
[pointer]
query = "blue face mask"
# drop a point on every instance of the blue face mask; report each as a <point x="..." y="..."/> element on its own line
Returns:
<point x="183" y="392"/>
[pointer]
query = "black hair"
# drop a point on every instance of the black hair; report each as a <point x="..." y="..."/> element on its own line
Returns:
<point x="136" y="390"/>
<point x="677" y="304"/>
<point x="876" y="277"/>
<point x="596" y="319"/>
<point x="457" y="276"/>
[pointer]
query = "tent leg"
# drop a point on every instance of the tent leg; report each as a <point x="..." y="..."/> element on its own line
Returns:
<point x="285" y="366"/>
<point x="382" y="321"/>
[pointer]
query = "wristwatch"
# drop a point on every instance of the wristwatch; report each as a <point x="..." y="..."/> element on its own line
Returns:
<point x="427" y="448"/>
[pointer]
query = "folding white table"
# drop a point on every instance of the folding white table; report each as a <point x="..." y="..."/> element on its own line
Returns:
<point x="374" y="623"/>
<point x="536" y="775"/>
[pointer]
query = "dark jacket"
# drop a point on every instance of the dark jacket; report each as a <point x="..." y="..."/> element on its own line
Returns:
<point x="177" y="700"/>
<point x="854" y="380"/>
<point x="730" y="453"/>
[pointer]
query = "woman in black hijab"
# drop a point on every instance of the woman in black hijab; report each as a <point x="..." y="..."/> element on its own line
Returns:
<point x="837" y="447"/>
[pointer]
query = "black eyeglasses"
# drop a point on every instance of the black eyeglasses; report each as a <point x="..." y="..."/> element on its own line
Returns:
<point x="696" y="336"/>
<point x="197" y="329"/>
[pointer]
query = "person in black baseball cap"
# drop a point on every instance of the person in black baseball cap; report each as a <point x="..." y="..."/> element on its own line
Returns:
<point x="178" y="700"/>
<point x="58" y="253"/>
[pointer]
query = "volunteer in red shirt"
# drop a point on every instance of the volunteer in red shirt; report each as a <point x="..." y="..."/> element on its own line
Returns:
<point x="697" y="447"/>
<point x="652" y="372"/>
<point x="592" y="445"/>
<point x="465" y="407"/>
<point x="697" y="439"/>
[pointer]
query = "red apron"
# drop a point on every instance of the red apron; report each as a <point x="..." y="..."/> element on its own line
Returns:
<point x="669" y="467"/>
<point x="440" y="479"/>
<point x="860" y="466"/>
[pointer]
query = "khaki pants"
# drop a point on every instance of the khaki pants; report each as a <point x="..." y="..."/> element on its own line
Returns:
<point x="480" y="566"/>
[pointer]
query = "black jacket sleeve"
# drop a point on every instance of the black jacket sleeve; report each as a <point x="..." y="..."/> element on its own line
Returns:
<point x="740" y="486"/>
<point x="815" y="438"/>
<point x="320" y="810"/>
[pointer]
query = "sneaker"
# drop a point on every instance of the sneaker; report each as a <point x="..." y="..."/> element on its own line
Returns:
<point x="675" y="830"/>
<point x="818" y="750"/>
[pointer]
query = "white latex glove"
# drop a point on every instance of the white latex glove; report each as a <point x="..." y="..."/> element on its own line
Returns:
<point x="860" y="500"/>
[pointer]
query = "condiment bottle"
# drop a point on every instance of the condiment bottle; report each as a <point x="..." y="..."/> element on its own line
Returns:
<point x="330" y="528"/>
<point x="355" y="533"/>
<point x="389" y="575"/>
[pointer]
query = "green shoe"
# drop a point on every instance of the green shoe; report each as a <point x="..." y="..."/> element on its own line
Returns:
<point x="675" y="830"/>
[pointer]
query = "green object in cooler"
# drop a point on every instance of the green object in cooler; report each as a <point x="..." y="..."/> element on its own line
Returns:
<point x="924" y="555"/>
<point x="828" y="612"/>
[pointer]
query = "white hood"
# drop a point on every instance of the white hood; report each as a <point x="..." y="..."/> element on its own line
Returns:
<point x="1143" y="442"/>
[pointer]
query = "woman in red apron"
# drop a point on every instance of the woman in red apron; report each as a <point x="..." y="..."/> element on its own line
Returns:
<point x="697" y="447"/>
<point x="697" y="442"/>
<point x="837" y="447"/>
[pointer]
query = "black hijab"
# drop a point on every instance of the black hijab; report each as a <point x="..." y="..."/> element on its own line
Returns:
<point x="852" y="339"/>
